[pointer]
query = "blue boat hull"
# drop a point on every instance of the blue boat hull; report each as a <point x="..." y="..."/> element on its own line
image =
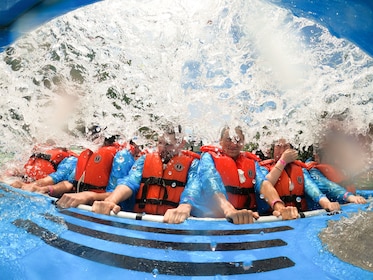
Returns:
<point x="98" y="246"/>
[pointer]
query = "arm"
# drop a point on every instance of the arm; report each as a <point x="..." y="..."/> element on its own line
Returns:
<point x="333" y="190"/>
<point x="75" y="199"/>
<point x="191" y="191"/>
<point x="121" y="192"/>
<point x="127" y="187"/>
<point x="288" y="156"/>
<point x="268" y="192"/>
<point x="312" y="190"/>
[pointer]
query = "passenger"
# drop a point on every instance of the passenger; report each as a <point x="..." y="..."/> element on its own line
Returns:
<point x="332" y="181"/>
<point x="90" y="171"/>
<point x="122" y="163"/>
<point x="46" y="159"/>
<point x="233" y="178"/>
<point x="292" y="180"/>
<point x="157" y="181"/>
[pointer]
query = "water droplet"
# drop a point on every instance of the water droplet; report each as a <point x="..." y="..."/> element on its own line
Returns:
<point x="262" y="233"/>
<point x="173" y="184"/>
<point x="169" y="173"/>
<point x="261" y="196"/>
<point x="254" y="181"/>
<point x="298" y="199"/>
<point x="155" y="272"/>
<point x="121" y="159"/>
<point x="247" y="265"/>
<point x="213" y="246"/>
<point x="291" y="187"/>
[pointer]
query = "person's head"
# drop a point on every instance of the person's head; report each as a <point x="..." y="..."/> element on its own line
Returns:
<point x="232" y="142"/>
<point x="169" y="144"/>
<point x="280" y="147"/>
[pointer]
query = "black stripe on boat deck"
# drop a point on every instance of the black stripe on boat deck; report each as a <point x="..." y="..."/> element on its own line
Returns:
<point x="175" y="245"/>
<point x="175" y="231"/>
<point x="147" y="265"/>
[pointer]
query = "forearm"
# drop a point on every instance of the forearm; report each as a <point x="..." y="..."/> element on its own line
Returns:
<point x="44" y="181"/>
<point x="275" y="173"/>
<point x="222" y="205"/>
<point x="121" y="193"/>
<point x="270" y="195"/>
<point x="58" y="189"/>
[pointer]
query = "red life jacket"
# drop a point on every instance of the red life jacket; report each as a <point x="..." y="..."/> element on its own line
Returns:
<point x="93" y="169"/>
<point x="334" y="175"/>
<point x="239" y="187"/>
<point x="41" y="165"/>
<point x="290" y="184"/>
<point x="160" y="189"/>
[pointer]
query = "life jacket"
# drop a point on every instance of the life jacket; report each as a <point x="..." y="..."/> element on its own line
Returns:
<point x="290" y="184"/>
<point x="93" y="169"/>
<point x="334" y="175"/>
<point x="239" y="187"/>
<point x="41" y="165"/>
<point x="160" y="189"/>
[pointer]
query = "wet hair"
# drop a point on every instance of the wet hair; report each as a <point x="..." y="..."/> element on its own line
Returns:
<point x="226" y="127"/>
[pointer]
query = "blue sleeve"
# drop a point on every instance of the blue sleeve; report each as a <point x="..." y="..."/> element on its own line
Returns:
<point x="312" y="191"/>
<point x="133" y="179"/>
<point x="262" y="205"/>
<point x="209" y="183"/>
<point x="122" y="163"/>
<point x="64" y="170"/>
<point x="210" y="178"/>
<point x="332" y="190"/>
<point x="192" y="189"/>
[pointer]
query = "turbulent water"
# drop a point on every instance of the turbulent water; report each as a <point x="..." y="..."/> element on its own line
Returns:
<point x="133" y="65"/>
<point x="202" y="64"/>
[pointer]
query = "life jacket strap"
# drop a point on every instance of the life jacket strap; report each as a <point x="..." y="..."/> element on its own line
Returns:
<point x="154" y="201"/>
<point x="87" y="187"/>
<point x="45" y="157"/>
<point x="238" y="190"/>
<point x="160" y="182"/>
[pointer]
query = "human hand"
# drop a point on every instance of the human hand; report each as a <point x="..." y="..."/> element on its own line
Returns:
<point x="177" y="215"/>
<point x="329" y="206"/>
<point x="287" y="213"/>
<point x="31" y="187"/>
<point x="105" y="207"/>
<point x="73" y="199"/>
<point x="289" y="155"/>
<point x="243" y="216"/>
<point x="356" y="199"/>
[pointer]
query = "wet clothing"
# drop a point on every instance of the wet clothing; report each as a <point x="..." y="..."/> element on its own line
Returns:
<point x="290" y="184"/>
<point x="333" y="191"/>
<point x="212" y="183"/>
<point x="312" y="192"/>
<point x="135" y="176"/>
<point x="41" y="164"/>
<point x="122" y="163"/>
<point x="64" y="170"/>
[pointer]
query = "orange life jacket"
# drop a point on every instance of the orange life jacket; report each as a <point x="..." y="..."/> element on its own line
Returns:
<point x="41" y="165"/>
<point x="334" y="175"/>
<point x="290" y="184"/>
<point x="160" y="189"/>
<point x="239" y="187"/>
<point x="93" y="169"/>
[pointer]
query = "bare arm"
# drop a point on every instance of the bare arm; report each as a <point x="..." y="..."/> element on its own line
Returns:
<point x="121" y="193"/>
<point x="75" y="199"/>
<point x="288" y="156"/>
<point x="243" y="216"/>
<point x="273" y="199"/>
